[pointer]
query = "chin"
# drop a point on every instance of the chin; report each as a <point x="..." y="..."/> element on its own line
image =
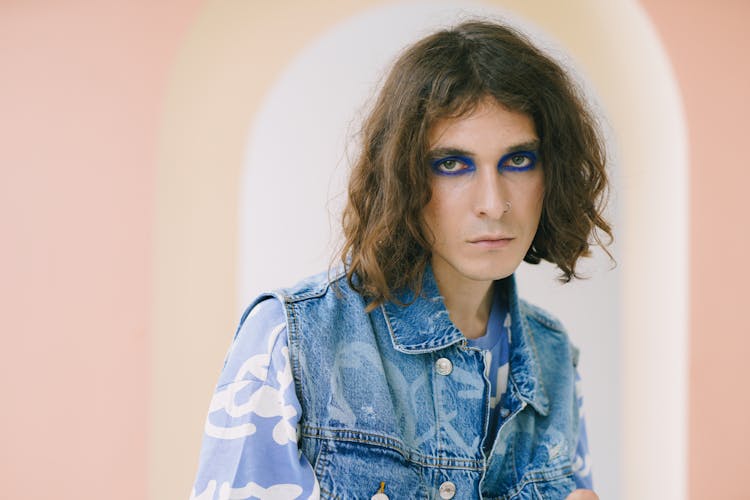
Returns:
<point x="489" y="271"/>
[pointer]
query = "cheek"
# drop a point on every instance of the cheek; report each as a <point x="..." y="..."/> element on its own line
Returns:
<point x="440" y="212"/>
<point x="432" y="219"/>
<point x="533" y="195"/>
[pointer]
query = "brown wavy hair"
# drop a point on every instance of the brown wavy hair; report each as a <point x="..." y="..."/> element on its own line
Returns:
<point x="444" y="75"/>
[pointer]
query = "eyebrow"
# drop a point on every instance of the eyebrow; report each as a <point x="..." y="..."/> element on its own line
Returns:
<point x="532" y="145"/>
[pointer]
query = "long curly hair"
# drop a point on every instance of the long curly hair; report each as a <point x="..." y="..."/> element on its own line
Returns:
<point x="446" y="74"/>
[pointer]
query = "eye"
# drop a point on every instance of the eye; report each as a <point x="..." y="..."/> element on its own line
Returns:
<point x="518" y="161"/>
<point x="452" y="165"/>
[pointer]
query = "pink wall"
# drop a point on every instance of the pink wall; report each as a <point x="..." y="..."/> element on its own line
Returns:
<point x="80" y="100"/>
<point x="708" y="45"/>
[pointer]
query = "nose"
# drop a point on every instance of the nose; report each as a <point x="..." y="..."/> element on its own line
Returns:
<point x="490" y="196"/>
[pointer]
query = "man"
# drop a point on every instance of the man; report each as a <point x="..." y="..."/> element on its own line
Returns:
<point x="413" y="370"/>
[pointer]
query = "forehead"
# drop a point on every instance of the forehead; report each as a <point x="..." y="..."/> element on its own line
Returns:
<point x="487" y="124"/>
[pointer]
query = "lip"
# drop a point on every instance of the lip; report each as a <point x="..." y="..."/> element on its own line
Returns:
<point x="492" y="241"/>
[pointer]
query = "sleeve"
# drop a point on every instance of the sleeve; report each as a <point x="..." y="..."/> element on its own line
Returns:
<point x="582" y="463"/>
<point x="250" y="441"/>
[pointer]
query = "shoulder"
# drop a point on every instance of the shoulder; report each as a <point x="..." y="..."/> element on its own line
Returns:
<point x="262" y="315"/>
<point x="547" y="328"/>
<point x="314" y="286"/>
<point x="540" y="316"/>
<point x="271" y="304"/>
<point x="319" y="299"/>
<point x="260" y="336"/>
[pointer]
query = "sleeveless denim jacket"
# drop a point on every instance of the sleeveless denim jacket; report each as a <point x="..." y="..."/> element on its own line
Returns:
<point x="396" y="401"/>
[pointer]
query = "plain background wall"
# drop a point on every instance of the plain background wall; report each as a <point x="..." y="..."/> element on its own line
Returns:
<point x="80" y="101"/>
<point x="708" y="43"/>
<point x="81" y="93"/>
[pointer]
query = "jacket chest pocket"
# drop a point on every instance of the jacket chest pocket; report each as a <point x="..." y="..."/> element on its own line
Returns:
<point x="556" y="487"/>
<point x="351" y="470"/>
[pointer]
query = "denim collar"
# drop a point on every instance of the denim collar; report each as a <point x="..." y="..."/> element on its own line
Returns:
<point x="424" y="326"/>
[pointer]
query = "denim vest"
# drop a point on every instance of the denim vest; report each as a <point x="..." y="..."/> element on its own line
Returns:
<point x="395" y="401"/>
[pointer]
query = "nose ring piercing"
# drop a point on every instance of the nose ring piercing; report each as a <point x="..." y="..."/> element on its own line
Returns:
<point x="507" y="207"/>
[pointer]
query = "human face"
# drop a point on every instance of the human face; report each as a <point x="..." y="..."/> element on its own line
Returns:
<point x="487" y="192"/>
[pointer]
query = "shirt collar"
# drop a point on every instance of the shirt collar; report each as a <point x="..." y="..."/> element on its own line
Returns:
<point x="424" y="326"/>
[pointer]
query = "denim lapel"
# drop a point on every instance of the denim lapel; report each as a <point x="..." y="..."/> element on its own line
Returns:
<point x="425" y="326"/>
<point x="525" y="369"/>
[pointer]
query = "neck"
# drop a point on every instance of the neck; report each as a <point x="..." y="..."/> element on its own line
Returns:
<point x="468" y="301"/>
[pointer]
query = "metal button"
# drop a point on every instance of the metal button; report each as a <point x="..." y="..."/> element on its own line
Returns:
<point x="444" y="366"/>
<point x="447" y="490"/>
<point x="380" y="494"/>
<point x="504" y="412"/>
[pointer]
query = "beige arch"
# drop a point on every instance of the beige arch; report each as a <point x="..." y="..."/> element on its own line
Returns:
<point x="232" y="57"/>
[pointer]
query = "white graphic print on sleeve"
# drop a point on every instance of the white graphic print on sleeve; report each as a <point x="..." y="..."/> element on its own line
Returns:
<point x="252" y="490"/>
<point x="250" y="443"/>
<point x="266" y="401"/>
